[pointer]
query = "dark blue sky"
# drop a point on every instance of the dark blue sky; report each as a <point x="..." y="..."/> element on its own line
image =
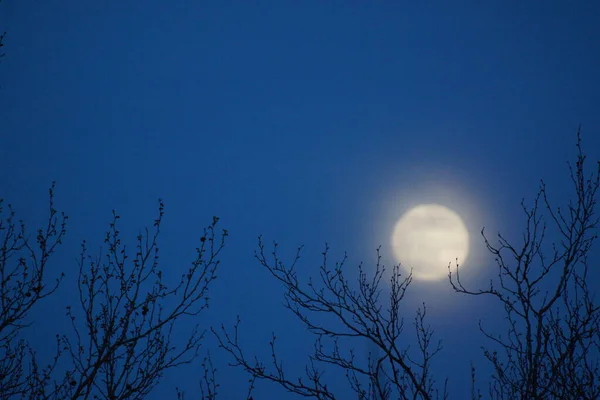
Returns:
<point x="306" y="121"/>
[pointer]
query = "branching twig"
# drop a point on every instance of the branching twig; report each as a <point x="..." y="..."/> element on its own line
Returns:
<point x="552" y="346"/>
<point x="356" y="314"/>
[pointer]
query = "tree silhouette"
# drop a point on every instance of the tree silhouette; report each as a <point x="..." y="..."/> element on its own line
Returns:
<point x="553" y="335"/>
<point x="552" y="343"/>
<point x="121" y="339"/>
<point x="23" y="269"/>
<point x="356" y="314"/>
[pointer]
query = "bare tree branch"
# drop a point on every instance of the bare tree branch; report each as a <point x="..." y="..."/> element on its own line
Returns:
<point x="356" y="316"/>
<point x="23" y="267"/>
<point x="124" y="342"/>
<point x="552" y="344"/>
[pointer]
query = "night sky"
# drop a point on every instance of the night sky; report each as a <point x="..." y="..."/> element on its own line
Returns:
<point x="303" y="121"/>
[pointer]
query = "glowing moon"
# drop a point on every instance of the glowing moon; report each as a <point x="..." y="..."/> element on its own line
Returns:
<point x="427" y="238"/>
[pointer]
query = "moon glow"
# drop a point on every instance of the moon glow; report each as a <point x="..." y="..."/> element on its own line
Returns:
<point x="427" y="238"/>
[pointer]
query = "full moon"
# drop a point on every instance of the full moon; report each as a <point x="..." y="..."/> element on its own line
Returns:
<point x="427" y="238"/>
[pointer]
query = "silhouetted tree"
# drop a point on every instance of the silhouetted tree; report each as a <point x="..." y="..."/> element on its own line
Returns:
<point x="129" y="314"/>
<point x="23" y="270"/>
<point x="551" y="348"/>
<point x="355" y="314"/>
<point x="122" y="329"/>
<point x="552" y="344"/>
